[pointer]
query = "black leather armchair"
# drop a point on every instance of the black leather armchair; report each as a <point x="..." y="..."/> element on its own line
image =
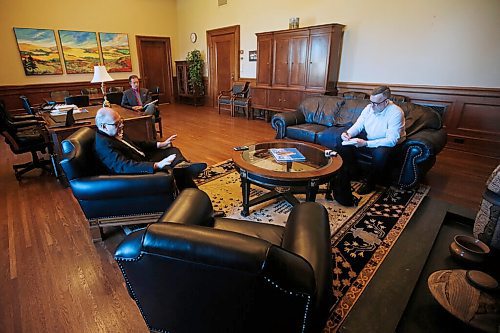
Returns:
<point x="109" y="200"/>
<point x="194" y="273"/>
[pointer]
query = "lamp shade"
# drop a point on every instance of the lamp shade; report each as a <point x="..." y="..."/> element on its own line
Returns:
<point x="101" y="75"/>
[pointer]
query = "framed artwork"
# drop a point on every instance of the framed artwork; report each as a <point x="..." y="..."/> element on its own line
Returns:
<point x="252" y="55"/>
<point x="115" y="52"/>
<point x="38" y="51"/>
<point x="80" y="51"/>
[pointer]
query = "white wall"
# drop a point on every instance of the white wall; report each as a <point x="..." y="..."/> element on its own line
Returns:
<point x="424" y="42"/>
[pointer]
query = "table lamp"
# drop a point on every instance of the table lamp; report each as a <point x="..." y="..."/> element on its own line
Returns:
<point x="101" y="75"/>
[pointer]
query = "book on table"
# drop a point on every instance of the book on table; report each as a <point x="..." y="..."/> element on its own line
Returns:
<point x="287" y="155"/>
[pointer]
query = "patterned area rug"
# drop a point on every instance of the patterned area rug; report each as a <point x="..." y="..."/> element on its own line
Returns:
<point x="361" y="236"/>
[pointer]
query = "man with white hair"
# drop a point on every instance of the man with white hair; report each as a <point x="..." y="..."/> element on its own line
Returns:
<point x="121" y="155"/>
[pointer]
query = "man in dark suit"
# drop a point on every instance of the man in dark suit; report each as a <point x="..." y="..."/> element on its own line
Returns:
<point x="120" y="155"/>
<point x="136" y="97"/>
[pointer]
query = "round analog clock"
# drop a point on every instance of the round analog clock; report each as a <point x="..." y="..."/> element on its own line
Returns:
<point x="193" y="37"/>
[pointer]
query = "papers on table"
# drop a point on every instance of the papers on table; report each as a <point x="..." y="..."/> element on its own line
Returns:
<point x="349" y="142"/>
<point x="62" y="109"/>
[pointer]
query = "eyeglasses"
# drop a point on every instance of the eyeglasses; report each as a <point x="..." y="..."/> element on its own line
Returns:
<point x="116" y="124"/>
<point x="377" y="104"/>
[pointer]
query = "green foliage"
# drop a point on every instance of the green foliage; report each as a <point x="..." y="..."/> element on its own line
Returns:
<point x="195" y="72"/>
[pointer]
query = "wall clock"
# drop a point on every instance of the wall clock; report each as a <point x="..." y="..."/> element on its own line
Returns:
<point x="193" y="37"/>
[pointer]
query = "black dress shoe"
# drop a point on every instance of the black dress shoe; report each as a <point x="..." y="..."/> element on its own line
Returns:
<point x="365" y="189"/>
<point x="194" y="169"/>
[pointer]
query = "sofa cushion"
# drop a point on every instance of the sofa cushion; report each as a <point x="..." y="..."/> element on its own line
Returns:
<point x="418" y="117"/>
<point x="321" y="109"/>
<point x="304" y="132"/>
<point x="349" y="111"/>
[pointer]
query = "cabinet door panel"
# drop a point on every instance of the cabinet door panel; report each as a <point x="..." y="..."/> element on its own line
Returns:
<point x="264" y="60"/>
<point x="319" y="49"/>
<point x="298" y="58"/>
<point x="291" y="99"/>
<point x="274" y="99"/>
<point x="281" y="49"/>
<point x="259" y="97"/>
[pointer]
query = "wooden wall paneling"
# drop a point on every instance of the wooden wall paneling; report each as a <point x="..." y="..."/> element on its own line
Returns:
<point x="38" y="93"/>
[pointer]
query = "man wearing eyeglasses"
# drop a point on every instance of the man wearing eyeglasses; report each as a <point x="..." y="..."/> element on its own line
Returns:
<point x="137" y="98"/>
<point x="379" y="128"/>
<point x="121" y="155"/>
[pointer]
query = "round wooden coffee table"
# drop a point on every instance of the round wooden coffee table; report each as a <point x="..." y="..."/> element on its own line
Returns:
<point x="257" y="166"/>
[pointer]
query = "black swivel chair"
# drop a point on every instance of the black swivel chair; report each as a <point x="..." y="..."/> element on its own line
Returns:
<point x="32" y="110"/>
<point x="78" y="100"/>
<point x="192" y="272"/>
<point x="111" y="200"/>
<point x="24" y="134"/>
<point x="115" y="97"/>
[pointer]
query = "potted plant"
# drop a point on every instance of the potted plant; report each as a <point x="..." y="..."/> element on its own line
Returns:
<point x="195" y="68"/>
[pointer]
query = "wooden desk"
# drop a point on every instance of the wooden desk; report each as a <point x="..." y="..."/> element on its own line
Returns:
<point x="136" y="126"/>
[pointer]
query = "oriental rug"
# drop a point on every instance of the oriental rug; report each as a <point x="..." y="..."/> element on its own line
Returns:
<point x="361" y="236"/>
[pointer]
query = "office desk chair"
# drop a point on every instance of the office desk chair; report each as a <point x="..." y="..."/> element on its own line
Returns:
<point x="78" y="100"/>
<point x="115" y="97"/>
<point x="24" y="134"/>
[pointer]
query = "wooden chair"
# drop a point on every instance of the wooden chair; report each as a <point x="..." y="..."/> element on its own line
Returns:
<point x="155" y="95"/>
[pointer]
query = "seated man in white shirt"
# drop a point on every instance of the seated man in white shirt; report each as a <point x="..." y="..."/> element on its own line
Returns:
<point x="379" y="128"/>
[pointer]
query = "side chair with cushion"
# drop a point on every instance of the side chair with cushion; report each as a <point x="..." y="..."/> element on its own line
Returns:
<point x="78" y="100"/>
<point x="111" y="200"/>
<point x="241" y="100"/>
<point x="191" y="272"/>
<point x="226" y="97"/>
<point x="24" y="134"/>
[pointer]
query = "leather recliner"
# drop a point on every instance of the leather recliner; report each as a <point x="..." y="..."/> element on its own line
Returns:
<point x="110" y="200"/>
<point x="192" y="272"/>
<point x="322" y="119"/>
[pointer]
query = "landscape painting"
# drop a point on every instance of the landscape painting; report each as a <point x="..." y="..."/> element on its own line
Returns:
<point x="80" y="51"/>
<point x="38" y="50"/>
<point x="115" y="52"/>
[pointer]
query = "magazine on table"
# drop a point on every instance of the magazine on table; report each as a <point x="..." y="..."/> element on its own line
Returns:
<point x="287" y="155"/>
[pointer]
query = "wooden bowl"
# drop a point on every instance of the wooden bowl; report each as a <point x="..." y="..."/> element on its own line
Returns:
<point x="469" y="249"/>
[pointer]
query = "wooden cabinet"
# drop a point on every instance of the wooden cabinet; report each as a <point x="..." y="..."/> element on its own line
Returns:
<point x="295" y="63"/>
<point x="284" y="100"/>
<point x="183" y="91"/>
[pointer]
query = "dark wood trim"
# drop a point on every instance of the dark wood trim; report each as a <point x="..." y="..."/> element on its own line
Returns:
<point x="472" y="116"/>
<point x="235" y="29"/>
<point x="40" y="91"/>
<point x="168" y="55"/>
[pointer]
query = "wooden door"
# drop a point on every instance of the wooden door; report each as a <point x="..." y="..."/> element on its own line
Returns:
<point x="281" y="55"/>
<point x="264" y="59"/>
<point x="155" y="65"/>
<point x="319" y="50"/>
<point x="223" y="60"/>
<point x="297" y="60"/>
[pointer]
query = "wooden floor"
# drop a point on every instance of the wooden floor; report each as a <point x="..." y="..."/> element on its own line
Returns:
<point x="54" y="279"/>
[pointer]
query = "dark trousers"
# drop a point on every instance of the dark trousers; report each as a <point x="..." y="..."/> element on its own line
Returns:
<point x="379" y="159"/>
<point x="183" y="178"/>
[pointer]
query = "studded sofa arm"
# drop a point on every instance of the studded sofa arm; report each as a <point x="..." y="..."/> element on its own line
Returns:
<point x="281" y="120"/>
<point x="419" y="155"/>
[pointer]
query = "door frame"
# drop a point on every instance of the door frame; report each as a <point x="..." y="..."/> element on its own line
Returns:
<point x="168" y="56"/>
<point x="235" y="30"/>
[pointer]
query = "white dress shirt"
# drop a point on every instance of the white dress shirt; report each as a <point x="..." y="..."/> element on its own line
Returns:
<point x="385" y="128"/>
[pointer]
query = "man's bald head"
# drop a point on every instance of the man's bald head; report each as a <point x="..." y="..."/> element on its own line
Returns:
<point x="109" y="121"/>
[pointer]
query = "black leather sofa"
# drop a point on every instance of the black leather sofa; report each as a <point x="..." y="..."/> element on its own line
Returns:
<point x="110" y="200"/>
<point x="192" y="272"/>
<point x="321" y="119"/>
